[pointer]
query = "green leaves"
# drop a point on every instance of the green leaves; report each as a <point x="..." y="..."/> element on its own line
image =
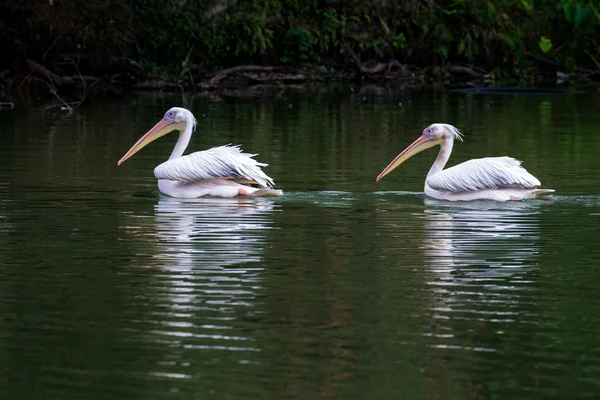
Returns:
<point x="528" y="4"/>
<point x="582" y="14"/>
<point x="490" y="34"/>
<point x="545" y="44"/>
<point x="578" y="12"/>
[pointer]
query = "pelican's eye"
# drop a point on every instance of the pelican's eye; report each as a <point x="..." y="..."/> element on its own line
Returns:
<point x="170" y="115"/>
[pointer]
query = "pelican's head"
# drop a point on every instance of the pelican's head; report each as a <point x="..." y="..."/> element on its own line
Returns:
<point x="434" y="134"/>
<point x="181" y="115"/>
<point x="441" y="131"/>
<point x="176" y="119"/>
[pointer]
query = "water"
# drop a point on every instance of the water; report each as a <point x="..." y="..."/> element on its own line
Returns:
<point x="344" y="288"/>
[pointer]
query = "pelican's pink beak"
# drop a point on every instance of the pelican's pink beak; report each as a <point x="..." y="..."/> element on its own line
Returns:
<point x="163" y="127"/>
<point x="422" y="143"/>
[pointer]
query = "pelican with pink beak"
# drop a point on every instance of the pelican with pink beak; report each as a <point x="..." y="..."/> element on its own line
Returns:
<point x="490" y="178"/>
<point x="223" y="171"/>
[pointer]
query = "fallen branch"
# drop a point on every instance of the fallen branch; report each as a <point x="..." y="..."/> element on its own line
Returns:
<point x="462" y="69"/>
<point x="292" y="78"/>
<point x="58" y="80"/>
<point x="220" y="75"/>
<point x="277" y="78"/>
<point x="369" y="67"/>
<point x="46" y="73"/>
<point x="55" y="81"/>
<point x="373" y="68"/>
<point x="156" y="84"/>
<point x="392" y="68"/>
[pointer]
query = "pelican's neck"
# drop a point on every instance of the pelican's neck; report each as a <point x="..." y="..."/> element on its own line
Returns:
<point x="443" y="156"/>
<point x="184" y="138"/>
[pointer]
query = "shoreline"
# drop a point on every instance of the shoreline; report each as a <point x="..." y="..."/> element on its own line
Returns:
<point x="37" y="82"/>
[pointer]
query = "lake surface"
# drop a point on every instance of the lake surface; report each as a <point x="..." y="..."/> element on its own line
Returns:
<point x="342" y="289"/>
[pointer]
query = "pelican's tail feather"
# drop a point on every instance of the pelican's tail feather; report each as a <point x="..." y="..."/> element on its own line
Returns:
<point x="542" y="193"/>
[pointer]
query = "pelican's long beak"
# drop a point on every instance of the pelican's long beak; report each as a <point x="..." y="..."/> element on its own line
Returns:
<point x="160" y="129"/>
<point x="422" y="143"/>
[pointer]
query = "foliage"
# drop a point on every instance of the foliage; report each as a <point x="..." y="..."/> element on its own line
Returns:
<point x="545" y="44"/>
<point x="182" y="38"/>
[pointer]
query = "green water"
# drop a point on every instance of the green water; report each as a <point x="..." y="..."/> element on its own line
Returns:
<point x="344" y="288"/>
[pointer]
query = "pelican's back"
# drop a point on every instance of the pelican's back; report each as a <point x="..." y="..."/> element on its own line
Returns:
<point x="483" y="173"/>
<point x="228" y="162"/>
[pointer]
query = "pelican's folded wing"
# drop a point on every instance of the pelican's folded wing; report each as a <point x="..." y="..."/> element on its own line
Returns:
<point x="227" y="162"/>
<point x="483" y="173"/>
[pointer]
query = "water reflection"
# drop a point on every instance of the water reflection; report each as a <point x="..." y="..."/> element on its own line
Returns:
<point x="4" y="225"/>
<point x="160" y="298"/>
<point x="209" y="250"/>
<point x="481" y="257"/>
<point x="210" y="233"/>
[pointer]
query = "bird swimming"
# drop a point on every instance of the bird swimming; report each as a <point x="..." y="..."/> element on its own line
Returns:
<point x="223" y="171"/>
<point x="490" y="178"/>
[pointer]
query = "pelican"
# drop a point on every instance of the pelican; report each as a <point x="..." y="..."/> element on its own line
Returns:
<point x="490" y="178"/>
<point x="223" y="171"/>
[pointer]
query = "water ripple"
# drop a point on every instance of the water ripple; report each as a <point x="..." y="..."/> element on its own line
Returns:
<point x="481" y="259"/>
<point x="207" y="253"/>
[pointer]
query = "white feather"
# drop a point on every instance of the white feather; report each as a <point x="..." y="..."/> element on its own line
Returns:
<point x="218" y="162"/>
<point x="483" y="173"/>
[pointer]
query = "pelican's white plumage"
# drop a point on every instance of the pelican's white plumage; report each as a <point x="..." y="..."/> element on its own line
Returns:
<point x="223" y="161"/>
<point x="223" y="171"/>
<point x="483" y="173"/>
<point x="491" y="178"/>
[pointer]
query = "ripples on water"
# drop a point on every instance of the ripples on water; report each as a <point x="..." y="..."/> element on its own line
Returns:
<point x="491" y="271"/>
<point x="207" y="253"/>
<point x="480" y="263"/>
<point x="476" y="266"/>
<point x="355" y="291"/>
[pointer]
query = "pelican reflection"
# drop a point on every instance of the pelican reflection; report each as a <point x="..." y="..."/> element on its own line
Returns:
<point x="210" y="253"/>
<point x="481" y="234"/>
<point x="218" y="241"/>
<point x="480" y="258"/>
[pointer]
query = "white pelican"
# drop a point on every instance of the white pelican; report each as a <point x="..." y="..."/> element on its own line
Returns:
<point x="222" y="171"/>
<point x="490" y="178"/>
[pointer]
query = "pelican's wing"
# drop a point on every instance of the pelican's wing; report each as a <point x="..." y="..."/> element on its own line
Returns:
<point x="219" y="162"/>
<point x="483" y="173"/>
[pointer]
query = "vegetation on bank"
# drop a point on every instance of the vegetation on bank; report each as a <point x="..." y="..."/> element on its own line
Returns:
<point x="58" y="45"/>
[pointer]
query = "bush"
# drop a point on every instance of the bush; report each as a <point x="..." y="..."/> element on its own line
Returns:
<point x="181" y="37"/>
